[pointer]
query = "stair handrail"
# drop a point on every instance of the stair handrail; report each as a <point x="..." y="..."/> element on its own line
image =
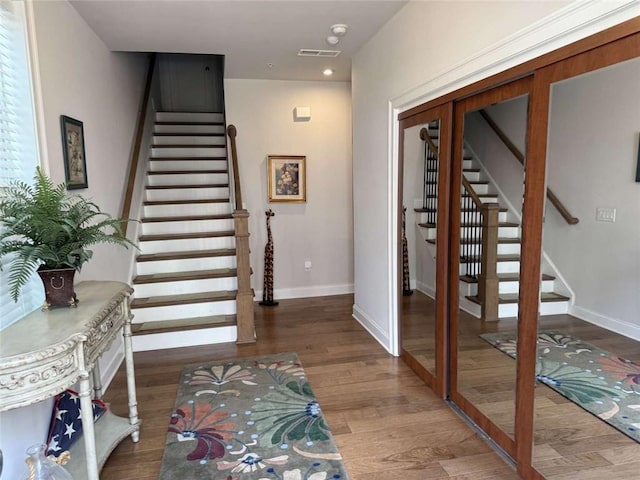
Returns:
<point x="424" y="135"/>
<point x="232" y="131"/>
<point x="430" y="177"/>
<point x="553" y="198"/>
<point x="137" y="144"/>
<point x="244" y="297"/>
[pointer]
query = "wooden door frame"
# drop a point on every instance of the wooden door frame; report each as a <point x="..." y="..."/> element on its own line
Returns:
<point x="443" y="113"/>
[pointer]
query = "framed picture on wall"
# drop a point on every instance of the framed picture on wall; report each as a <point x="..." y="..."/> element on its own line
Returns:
<point x="286" y="178"/>
<point x="75" y="163"/>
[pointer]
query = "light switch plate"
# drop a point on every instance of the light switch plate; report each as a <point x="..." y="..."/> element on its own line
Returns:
<point x="606" y="215"/>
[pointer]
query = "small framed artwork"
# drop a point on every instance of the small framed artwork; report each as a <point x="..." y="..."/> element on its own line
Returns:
<point x="287" y="178"/>
<point x="75" y="163"/>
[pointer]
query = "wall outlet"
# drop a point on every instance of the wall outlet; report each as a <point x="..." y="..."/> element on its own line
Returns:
<point x="307" y="265"/>
<point x="605" y="215"/>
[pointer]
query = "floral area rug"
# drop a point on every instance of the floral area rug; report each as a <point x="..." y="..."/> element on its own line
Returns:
<point x="246" y="419"/>
<point x="602" y="383"/>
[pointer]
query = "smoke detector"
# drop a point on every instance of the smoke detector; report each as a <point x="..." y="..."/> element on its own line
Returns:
<point x="339" y="29"/>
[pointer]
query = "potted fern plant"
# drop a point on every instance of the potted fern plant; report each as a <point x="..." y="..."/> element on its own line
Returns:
<point x="44" y="229"/>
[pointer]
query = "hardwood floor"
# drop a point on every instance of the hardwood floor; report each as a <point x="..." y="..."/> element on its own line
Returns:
<point x="386" y="422"/>
<point x="569" y="443"/>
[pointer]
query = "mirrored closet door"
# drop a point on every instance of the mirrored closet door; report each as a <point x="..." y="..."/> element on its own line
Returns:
<point x="423" y="203"/>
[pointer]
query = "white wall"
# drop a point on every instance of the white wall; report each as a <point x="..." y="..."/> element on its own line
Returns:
<point x="592" y="159"/>
<point x="426" y="50"/>
<point x="419" y="42"/>
<point x="320" y="230"/>
<point x="80" y="78"/>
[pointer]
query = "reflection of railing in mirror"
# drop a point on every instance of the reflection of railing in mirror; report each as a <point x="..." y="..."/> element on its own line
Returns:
<point x="555" y="201"/>
<point x="430" y="193"/>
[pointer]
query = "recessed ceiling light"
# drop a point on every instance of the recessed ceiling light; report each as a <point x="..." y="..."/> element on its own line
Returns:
<point x="327" y="72"/>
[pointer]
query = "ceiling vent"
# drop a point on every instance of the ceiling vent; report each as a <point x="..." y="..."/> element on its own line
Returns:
<point x="311" y="52"/>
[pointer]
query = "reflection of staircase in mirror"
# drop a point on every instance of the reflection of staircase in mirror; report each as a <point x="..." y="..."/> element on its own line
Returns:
<point x="508" y="247"/>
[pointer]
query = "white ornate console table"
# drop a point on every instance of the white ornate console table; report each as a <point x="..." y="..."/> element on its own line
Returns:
<point x="47" y="352"/>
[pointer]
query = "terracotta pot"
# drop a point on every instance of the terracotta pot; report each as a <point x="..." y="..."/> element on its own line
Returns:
<point x="58" y="287"/>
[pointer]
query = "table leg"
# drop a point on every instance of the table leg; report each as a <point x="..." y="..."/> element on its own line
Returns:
<point x="87" y="427"/>
<point x="97" y="381"/>
<point x="131" y="379"/>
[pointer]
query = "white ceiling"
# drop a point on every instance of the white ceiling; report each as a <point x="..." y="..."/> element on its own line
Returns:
<point x="250" y="33"/>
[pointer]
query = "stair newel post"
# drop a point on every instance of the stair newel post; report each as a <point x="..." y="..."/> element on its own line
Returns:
<point x="267" y="290"/>
<point x="488" y="280"/>
<point x="244" y="297"/>
<point x="406" y="282"/>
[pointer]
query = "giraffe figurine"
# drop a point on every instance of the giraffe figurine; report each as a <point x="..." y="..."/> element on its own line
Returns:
<point x="406" y="285"/>
<point x="267" y="290"/>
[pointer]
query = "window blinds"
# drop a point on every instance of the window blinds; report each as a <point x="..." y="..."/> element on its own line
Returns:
<point x="18" y="153"/>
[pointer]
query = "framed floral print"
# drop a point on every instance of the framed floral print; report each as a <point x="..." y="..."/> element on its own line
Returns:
<point x="287" y="178"/>
<point x="75" y="163"/>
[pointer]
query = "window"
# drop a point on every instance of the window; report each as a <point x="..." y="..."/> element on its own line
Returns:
<point x="18" y="151"/>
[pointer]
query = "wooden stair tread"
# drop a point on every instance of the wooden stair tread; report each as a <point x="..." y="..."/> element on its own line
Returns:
<point x="153" y="257"/>
<point x="507" y="298"/>
<point x="190" y="159"/>
<point x="182" y="324"/>
<point x="183" y="299"/>
<point x="187" y="146"/>
<point x="168" y="187"/>
<point x="185" y="236"/>
<point x="182" y="276"/>
<point x="186" y="202"/>
<point x="186" y="218"/>
<point x="503" y="277"/>
<point x="184" y="172"/>
<point x="483" y="195"/>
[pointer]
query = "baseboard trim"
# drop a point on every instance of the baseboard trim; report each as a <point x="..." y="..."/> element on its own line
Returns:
<point x="187" y="338"/>
<point x="303" y="292"/>
<point x="619" y="326"/>
<point x="369" y="325"/>
<point x="428" y="290"/>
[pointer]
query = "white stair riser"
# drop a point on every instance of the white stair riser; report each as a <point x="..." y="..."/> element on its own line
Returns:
<point x="546" y="308"/>
<point x="145" y="290"/>
<point x="189" y="117"/>
<point x="171" y="312"/>
<point x="187" y="209"/>
<point x="467" y="164"/>
<point x="472" y="176"/>
<point x="186" y="193"/>
<point x="188" y="140"/>
<point x="188" y="152"/>
<point x="481" y="188"/>
<point x="186" y="338"/>
<point x="192" y="226"/>
<point x="188" y="129"/>
<point x="467" y="289"/>
<point x="508" y="267"/>
<point x="173" y="165"/>
<point x="508" y="248"/>
<point x="514" y="287"/>
<point x="210" y="243"/>
<point x="187" y="179"/>
<point x="184" y="265"/>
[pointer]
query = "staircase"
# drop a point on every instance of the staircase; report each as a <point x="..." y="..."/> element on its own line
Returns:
<point x="508" y="248"/>
<point x="185" y="282"/>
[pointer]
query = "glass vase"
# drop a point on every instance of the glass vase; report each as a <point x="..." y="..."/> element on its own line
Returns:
<point x="39" y="467"/>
